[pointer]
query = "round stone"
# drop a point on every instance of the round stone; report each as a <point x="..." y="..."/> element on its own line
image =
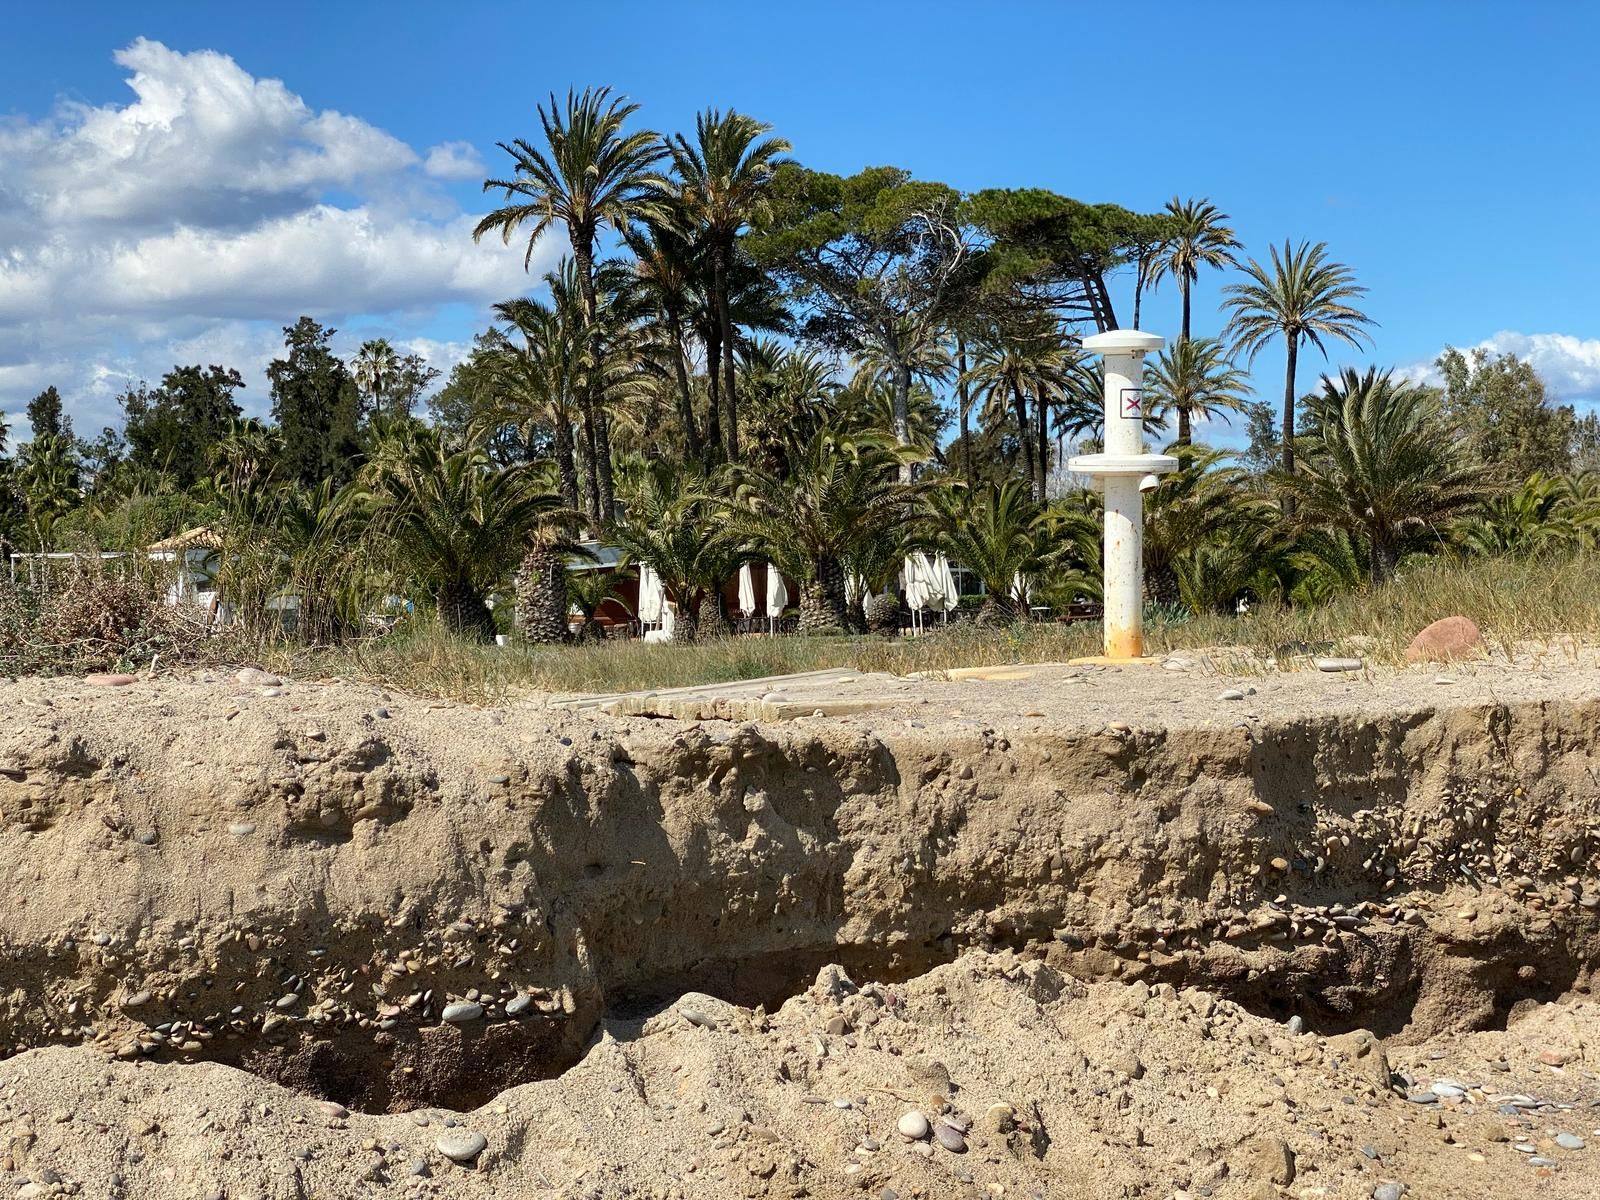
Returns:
<point x="462" y="1011"/>
<point x="913" y="1125"/>
<point x="1569" y="1141"/>
<point x="1388" y="1191"/>
<point x="255" y="677"/>
<point x="241" y="828"/>
<point x="137" y="999"/>
<point x="287" y="1000"/>
<point x="518" y="1005"/>
<point x="950" y="1138"/>
<point x="461" y="1145"/>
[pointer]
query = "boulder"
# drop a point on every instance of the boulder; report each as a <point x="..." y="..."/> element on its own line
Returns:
<point x="1446" y="640"/>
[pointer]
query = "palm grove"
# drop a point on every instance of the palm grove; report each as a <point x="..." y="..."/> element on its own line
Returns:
<point x="739" y="358"/>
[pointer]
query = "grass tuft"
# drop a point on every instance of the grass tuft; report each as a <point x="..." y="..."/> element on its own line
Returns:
<point x="1515" y="602"/>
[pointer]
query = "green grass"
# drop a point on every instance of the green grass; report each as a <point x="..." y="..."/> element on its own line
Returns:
<point x="1515" y="603"/>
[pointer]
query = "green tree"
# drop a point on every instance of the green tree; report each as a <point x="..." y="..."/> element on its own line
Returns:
<point x="173" y="427"/>
<point x="315" y="404"/>
<point x="872" y="259"/>
<point x="48" y="478"/>
<point x="1382" y="463"/>
<point x="47" y="416"/>
<point x="389" y="383"/>
<point x="589" y="174"/>
<point x="1263" y="451"/>
<point x="1199" y="236"/>
<point x="671" y="524"/>
<point x="1001" y="534"/>
<point x="1305" y="297"/>
<point x="449" y="520"/>
<point x="721" y="187"/>
<point x="1195" y="376"/>
<point x="1497" y="402"/>
<point x="840" y="493"/>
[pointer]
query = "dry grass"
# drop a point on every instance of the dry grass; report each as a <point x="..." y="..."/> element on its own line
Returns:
<point x="1556" y="601"/>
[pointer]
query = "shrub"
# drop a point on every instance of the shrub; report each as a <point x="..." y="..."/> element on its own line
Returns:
<point x="79" y="615"/>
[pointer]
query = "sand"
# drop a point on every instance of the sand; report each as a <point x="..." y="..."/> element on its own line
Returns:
<point x="1121" y="936"/>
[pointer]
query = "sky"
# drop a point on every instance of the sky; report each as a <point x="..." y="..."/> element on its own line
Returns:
<point x="179" y="181"/>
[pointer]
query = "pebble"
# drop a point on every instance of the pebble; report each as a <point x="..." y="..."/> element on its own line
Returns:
<point x="462" y="1011"/>
<point x="1339" y="664"/>
<point x="1388" y="1191"/>
<point x="499" y="780"/>
<point x="287" y="1000"/>
<point x="1538" y="1160"/>
<point x="461" y="1145"/>
<point x="242" y="828"/>
<point x="1569" y="1141"/>
<point x="135" y="1000"/>
<point x="695" y="1017"/>
<point x="913" y="1125"/>
<point x="950" y="1138"/>
<point x="1230" y="694"/>
<point x="518" y="1005"/>
<point x="253" y="677"/>
<point x="110" y="680"/>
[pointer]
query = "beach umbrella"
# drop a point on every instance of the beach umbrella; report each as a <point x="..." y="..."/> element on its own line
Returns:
<point x="777" y="593"/>
<point x="650" y="595"/>
<point x="944" y="595"/>
<point x="747" y="590"/>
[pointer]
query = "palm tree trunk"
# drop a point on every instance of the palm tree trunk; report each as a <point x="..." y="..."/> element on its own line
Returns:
<point x="1383" y="559"/>
<point x="463" y="611"/>
<point x="685" y="629"/>
<point x="691" y="431"/>
<point x="596" y="426"/>
<point x="902" y="411"/>
<point x="1184" y="427"/>
<point x="566" y="469"/>
<point x="822" y="602"/>
<point x="712" y="622"/>
<point x="1019" y="405"/>
<point x="1138" y="293"/>
<point x="602" y="451"/>
<point x="542" y="596"/>
<point x="964" y="406"/>
<point x="730" y="401"/>
<point x="1288" y="418"/>
<point x="1185" y="282"/>
<point x="713" y="443"/>
<point x="1041" y="414"/>
<point x="590" y="458"/>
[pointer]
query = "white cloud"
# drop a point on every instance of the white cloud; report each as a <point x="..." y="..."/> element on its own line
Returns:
<point x="192" y="222"/>
<point x="1568" y="365"/>
<point x="454" y="160"/>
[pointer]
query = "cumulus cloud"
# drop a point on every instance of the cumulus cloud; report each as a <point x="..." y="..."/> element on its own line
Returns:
<point x="194" y="220"/>
<point x="454" y="160"/>
<point x="1569" y="365"/>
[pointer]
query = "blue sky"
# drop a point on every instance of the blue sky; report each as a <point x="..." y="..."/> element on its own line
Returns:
<point x="1446" y="151"/>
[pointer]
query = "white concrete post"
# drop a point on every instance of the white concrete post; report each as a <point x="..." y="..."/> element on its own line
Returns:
<point x="1119" y="471"/>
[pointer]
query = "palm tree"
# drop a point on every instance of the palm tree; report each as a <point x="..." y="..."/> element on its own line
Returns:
<point x="589" y="175"/>
<point x="1199" y="504"/>
<point x="529" y="370"/>
<point x="1199" y="237"/>
<point x="1381" y="463"/>
<point x="1195" y="376"/>
<point x="1304" y="298"/>
<point x="1001" y="534"/>
<point x="720" y="189"/>
<point x="1541" y="515"/>
<point x="670" y="524"/>
<point x="841" y="492"/>
<point x="664" y="271"/>
<point x="1018" y="359"/>
<point x="450" y="520"/>
<point x="374" y="368"/>
<point x="48" y="476"/>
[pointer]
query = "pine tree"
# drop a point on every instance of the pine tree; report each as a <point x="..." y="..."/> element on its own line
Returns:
<point x="316" y="405"/>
